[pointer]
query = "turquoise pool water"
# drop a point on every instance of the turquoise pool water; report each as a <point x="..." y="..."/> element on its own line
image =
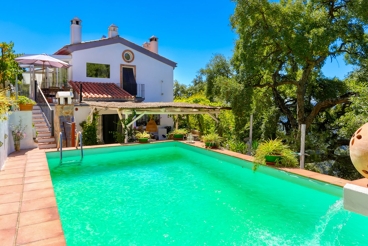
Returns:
<point x="172" y="193"/>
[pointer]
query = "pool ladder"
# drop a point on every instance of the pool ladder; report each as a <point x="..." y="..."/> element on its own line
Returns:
<point x="60" y="144"/>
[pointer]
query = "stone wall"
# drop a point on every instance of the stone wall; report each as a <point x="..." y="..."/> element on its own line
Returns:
<point x="64" y="115"/>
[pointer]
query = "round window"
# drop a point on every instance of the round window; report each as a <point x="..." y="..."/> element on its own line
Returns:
<point x="128" y="56"/>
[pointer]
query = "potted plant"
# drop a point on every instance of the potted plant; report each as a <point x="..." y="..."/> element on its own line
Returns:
<point x="178" y="134"/>
<point x="18" y="133"/>
<point x="274" y="152"/>
<point x="211" y="140"/>
<point x="25" y="103"/>
<point x="142" y="137"/>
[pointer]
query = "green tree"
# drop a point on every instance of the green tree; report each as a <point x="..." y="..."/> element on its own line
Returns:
<point x="180" y="90"/>
<point x="216" y="71"/>
<point x="283" y="46"/>
<point x="9" y="68"/>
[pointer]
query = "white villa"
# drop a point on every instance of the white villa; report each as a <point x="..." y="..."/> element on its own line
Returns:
<point x="112" y="69"/>
<point x="113" y="59"/>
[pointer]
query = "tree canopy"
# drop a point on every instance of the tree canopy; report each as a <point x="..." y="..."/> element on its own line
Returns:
<point x="9" y="68"/>
<point x="276" y="74"/>
<point x="283" y="46"/>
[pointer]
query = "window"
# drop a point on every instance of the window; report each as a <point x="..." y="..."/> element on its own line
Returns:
<point x="144" y="120"/>
<point x="95" y="70"/>
<point x="128" y="56"/>
<point x="129" y="83"/>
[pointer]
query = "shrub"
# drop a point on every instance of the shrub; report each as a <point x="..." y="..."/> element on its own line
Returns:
<point x="276" y="147"/>
<point x="25" y="100"/>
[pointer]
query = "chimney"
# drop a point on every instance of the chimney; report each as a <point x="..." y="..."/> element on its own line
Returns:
<point x="113" y="31"/>
<point x="146" y="45"/>
<point x="76" y="31"/>
<point x="153" y="44"/>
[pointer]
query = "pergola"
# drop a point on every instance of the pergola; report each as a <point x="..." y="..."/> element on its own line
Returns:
<point x="143" y="108"/>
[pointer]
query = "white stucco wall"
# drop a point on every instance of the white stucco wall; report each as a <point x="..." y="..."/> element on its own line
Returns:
<point x="27" y="142"/>
<point x="158" y="77"/>
<point x="6" y="128"/>
<point x="4" y="148"/>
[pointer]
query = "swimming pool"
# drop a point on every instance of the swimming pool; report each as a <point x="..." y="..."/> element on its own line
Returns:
<point x="173" y="193"/>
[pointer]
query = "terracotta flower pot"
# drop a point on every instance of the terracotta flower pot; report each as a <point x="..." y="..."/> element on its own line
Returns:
<point x="17" y="145"/>
<point x="25" y="107"/>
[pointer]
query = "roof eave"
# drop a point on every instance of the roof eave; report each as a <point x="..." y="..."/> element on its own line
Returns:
<point x="108" y="41"/>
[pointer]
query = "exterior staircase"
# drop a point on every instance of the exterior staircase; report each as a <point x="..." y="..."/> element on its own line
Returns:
<point x="44" y="138"/>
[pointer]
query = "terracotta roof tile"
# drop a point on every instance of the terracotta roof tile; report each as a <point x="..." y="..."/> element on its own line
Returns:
<point x="99" y="90"/>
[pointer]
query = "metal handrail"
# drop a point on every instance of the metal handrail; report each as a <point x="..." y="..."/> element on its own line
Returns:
<point x="79" y="137"/>
<point x="44" y="98"/>
<point x="60" y="143"/>
<point x="50" y="119"/>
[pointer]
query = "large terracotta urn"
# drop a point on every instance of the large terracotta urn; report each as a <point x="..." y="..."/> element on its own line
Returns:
<point x="359" y="150"/>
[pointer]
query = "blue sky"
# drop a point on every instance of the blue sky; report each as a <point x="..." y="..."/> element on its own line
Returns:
<point x="190" y="32"/>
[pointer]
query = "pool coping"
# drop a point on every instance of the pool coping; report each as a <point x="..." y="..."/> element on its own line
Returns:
<point x="28" y="209"/>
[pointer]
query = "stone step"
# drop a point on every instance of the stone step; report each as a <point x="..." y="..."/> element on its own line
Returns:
<point x="37" y="116"/>
<point x="42" y="129"/>
<point x="38" y="120"/>
<point x="46" y="145"/>
<point x="36" y="111"/>
<point x="44" y="134"/>
<point x="46" y="139"/>
<point x="40" y="124"/>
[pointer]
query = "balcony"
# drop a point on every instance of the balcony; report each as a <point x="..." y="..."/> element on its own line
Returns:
<point x="141" y="91"/>
<point x="137" y="90"/>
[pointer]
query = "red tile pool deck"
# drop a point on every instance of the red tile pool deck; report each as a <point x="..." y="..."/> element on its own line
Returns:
<point x="28" y="210"/>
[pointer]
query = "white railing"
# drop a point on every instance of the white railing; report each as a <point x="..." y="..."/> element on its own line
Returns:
<point x="47" y="111"/>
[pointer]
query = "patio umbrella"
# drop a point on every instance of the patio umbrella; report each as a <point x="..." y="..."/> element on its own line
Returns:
<point x="43" y="59"/>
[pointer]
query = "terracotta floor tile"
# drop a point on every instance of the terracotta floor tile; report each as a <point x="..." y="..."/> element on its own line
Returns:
<point x="37" y="164"/>
<point x="12" y="165"/>
<point x="361" y="182"/>
<point x="12" y="170"/>
<point x="38" y="204"/>
<point x="55" y="241"/>
<point x="7" y="237"/>
<point x="8" y="221"/>
<point x="9" y="208"/>
<point x="36" y="232"/>
<point x="11" y="189"/>
<point x="10" y="197"/>
<point x="38" y="216"/>
<point x="28" y="180"/>
<point x="38" y="185"/>
<point x="16" y="158"/>
<point x="10" y="176"/>
<point x="36" y="168"/>
<point x="34" y="157"/>
<point x="8" y="182"/>
<point x="37" y="194"/>
<point x="36" y="160"/>
<point x="37" y="173"/>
